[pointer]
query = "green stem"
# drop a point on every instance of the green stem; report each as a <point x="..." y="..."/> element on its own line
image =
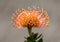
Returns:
<point x="30" y="31"/>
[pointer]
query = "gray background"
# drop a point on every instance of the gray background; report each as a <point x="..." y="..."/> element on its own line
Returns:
<point x="8" y="33"/>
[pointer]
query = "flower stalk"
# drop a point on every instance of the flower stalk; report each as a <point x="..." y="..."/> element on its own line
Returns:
<point x="30" y="31"/>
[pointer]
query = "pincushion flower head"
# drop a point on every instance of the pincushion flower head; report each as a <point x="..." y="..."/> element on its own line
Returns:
<point x="29" y="19"/>
<point x="32" y="18"/>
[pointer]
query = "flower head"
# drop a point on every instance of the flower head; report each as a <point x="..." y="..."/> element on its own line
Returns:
<point x="32" y="18"/>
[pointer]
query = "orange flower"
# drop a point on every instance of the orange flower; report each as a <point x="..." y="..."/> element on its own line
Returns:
<point x="32" y="18"/>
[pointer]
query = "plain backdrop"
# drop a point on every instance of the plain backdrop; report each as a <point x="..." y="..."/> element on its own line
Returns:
<point x="9" y="33"/>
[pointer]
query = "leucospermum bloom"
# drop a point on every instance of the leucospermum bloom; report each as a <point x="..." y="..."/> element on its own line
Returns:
<point x="33" y="18"/>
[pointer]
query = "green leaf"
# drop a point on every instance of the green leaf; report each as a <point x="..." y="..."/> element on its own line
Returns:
<point x="39" y="36"/>
<point x="34" y="36"/>
<point x="40" y="40"/>
<point x="30" y="39"/>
